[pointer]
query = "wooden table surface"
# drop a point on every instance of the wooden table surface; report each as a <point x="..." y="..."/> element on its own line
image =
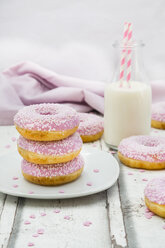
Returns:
<point x="117" y="215"/>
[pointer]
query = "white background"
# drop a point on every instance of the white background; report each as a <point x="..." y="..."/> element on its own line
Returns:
<point x="75" y="37"/>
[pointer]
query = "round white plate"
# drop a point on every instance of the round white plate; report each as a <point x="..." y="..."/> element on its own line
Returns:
<point x="94" y="159"/>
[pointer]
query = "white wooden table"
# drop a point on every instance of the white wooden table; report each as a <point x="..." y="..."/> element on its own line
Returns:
<point x="117" y="215"/>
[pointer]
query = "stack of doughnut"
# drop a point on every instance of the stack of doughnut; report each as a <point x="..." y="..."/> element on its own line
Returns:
<point x="49" y="143"/>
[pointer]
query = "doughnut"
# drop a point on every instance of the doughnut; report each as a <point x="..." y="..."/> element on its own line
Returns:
<point x="158" y="115"/>
<point x="46" y="122"/>
<point x="53" y="174"/>
<point x="91" y="127"/>
<point x="143" y="151"/>
<point x="50" y="152"/>
<point x="155" y="196"/>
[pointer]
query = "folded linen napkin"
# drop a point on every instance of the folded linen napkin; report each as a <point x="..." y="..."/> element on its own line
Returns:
<point x="28" y="83"/>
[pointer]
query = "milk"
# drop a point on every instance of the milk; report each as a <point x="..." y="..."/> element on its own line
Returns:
<point x="127" y="111"/>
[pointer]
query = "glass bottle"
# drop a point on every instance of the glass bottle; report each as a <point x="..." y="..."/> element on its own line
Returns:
<point x="127" y="108"/>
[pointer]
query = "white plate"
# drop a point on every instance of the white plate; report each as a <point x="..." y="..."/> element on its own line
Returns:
<point x="94" y="159"/>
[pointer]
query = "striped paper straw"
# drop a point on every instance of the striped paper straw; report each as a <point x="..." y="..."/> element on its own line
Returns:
<point x="123" y="54"/>
<point x="129" y="55"/>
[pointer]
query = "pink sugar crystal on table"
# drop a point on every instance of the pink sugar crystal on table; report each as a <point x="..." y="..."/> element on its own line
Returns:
<point x="56" y="211"/>
<point x="13" y="139"/>
<point x="27" y="222"/>
<point x="144" y="179"/>
<point x="30" y="192"/>
<point x="32" y="216"/>
<point x="30" y="244"/>
<point x="15" y="178"/>
<point x="89" y="184"/>
<point x="67" y="217"/>
<point x="15" y="186"/>
<point x="7" y="146"/>
<point x="142" y="171"/>
<point x="147" y="210"/>
<point x="130" y="173"/>
<point x="112" y="152"/>
<point x="61" y="191"/>
<point x="43" y="214"/>
<point x="96" y="170"/>
<point x="87" y="223"/>
<point x="163" y="226"/>
<point x="35" y="235"/>
<point x="40" y="231"/>
<point x="148" y="215"/>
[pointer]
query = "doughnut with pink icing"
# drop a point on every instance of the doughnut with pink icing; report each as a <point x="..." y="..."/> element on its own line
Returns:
<point x="155" y="195"/>
<point x="53" y="174"/>
<point x="158" y="115"/>
<point x="46" y="122"/>
<point x="50" y="152"/>
<point x="143" y="151"/>
<point x="91" y="127"/>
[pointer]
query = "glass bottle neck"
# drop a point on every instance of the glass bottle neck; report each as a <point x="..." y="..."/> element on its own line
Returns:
<point x="129" y="63"/>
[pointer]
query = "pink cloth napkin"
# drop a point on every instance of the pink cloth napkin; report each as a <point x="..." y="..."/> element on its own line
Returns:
<point x="28" y="83"/>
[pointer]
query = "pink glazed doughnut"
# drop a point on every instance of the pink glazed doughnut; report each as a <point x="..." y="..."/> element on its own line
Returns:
<point x="91" y="127"/>
<point x="46" y="122"/>
<point x="50" y="152"/>
<point x="53" y="174"/>
<point x="158" y="115"/>
<point x="144" y="152"/>
<point x="155" y="196"/>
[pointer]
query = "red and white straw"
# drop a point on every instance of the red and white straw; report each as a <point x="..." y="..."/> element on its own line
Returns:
<point x="123" y="54"/>
<point x="129" y="54"/>
<point x="126" y="54"/>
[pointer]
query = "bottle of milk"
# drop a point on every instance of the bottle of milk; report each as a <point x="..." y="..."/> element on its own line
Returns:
<point x="128" y="100"/>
